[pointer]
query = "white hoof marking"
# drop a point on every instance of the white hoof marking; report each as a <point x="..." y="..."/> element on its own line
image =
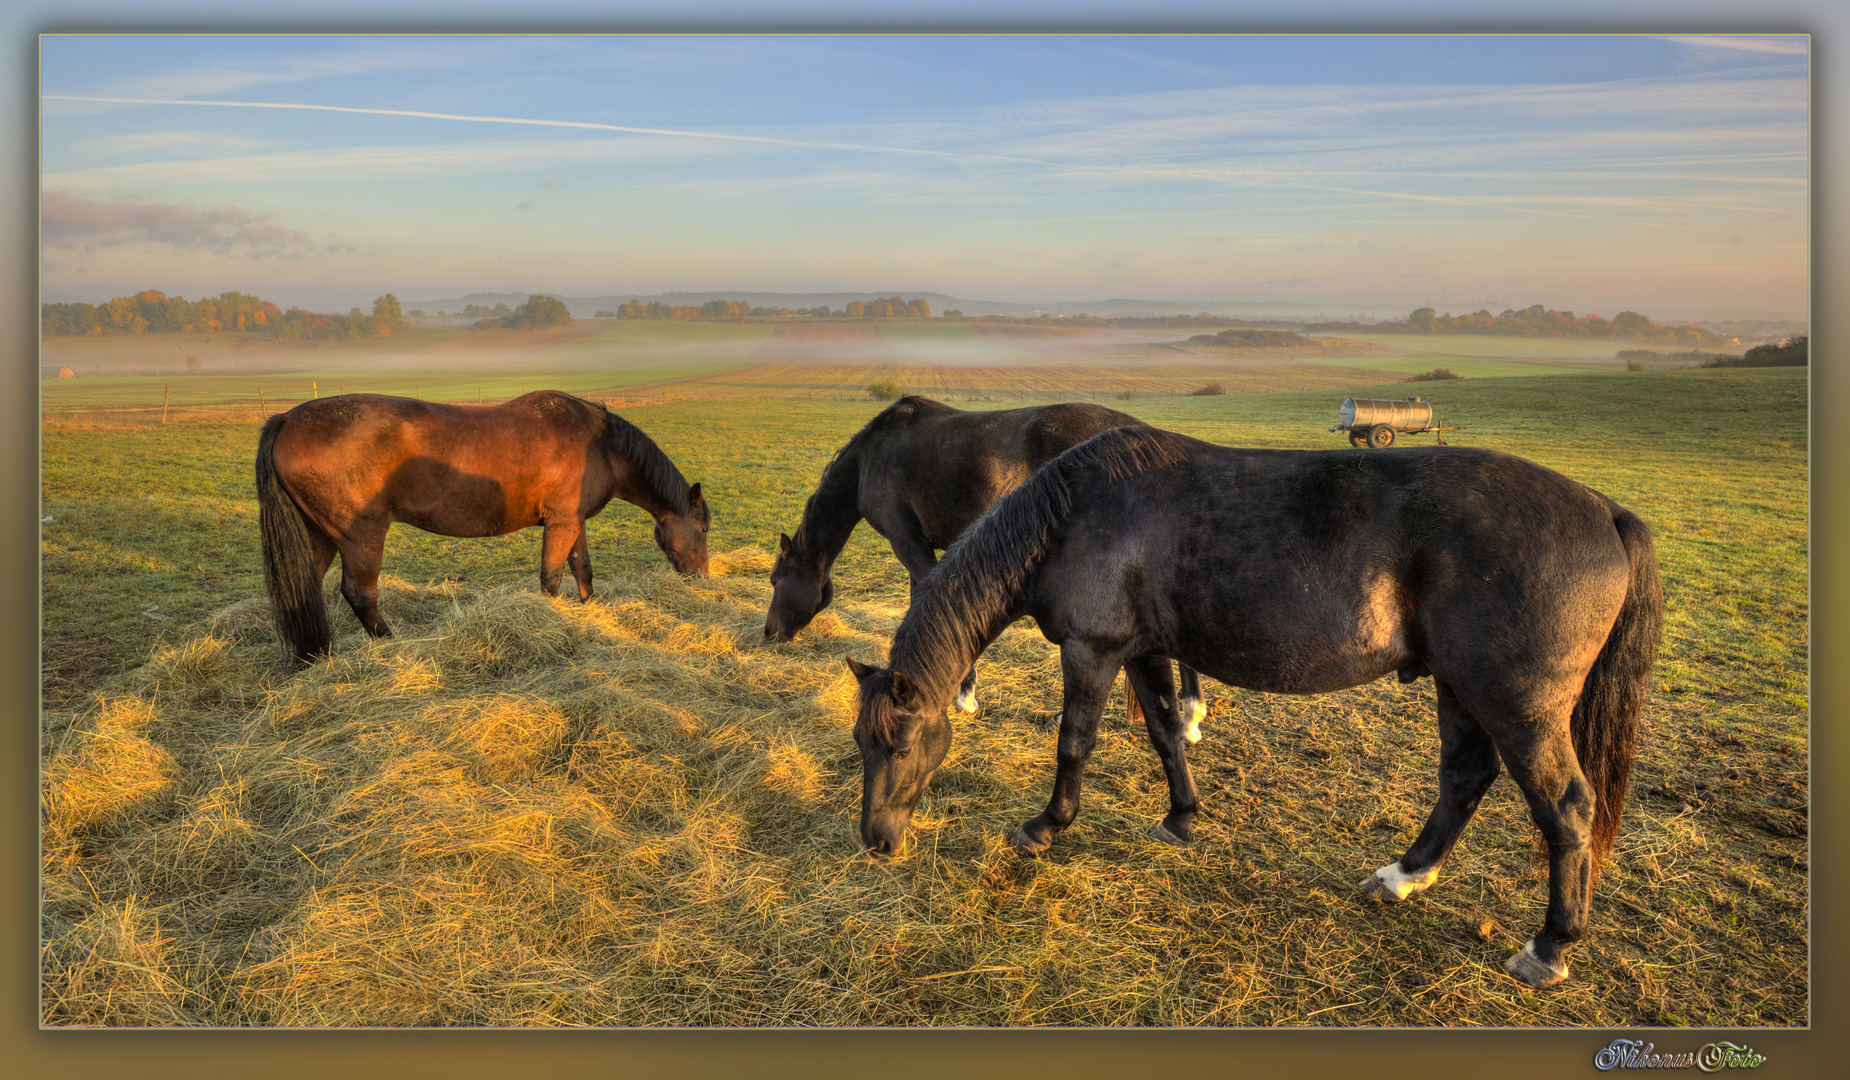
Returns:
<point x="966" y="700"/>
<point x="1194" y="710"/>
<point x="1390" y="883"/>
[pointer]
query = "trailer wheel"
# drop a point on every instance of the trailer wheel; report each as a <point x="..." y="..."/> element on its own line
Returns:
<point x="1358" y="438"/>
<point x="1380" y="436"/>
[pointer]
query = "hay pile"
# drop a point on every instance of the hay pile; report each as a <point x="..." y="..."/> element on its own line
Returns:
<point x="527" y="811"/>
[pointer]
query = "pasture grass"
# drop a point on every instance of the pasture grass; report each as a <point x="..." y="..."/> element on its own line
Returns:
<point x="530" y="811"/>
<point x="1491" y="346"/>
<point x="1466" y="367"/>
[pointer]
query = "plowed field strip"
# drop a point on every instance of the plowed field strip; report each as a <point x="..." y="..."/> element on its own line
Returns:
<point x="823" y="341"/>
<point x="1044" y="381"/>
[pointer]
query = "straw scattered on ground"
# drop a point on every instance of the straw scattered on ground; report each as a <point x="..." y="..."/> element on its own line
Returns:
<point x="528" y="811"/>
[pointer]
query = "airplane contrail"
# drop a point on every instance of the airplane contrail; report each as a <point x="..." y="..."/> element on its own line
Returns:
<point x="583" y="124"/>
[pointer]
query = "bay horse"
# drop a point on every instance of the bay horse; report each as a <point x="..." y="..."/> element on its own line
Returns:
<point x="334" y="473"/>
<point x="920" y="472"/>
<point x="1532" y="601"/>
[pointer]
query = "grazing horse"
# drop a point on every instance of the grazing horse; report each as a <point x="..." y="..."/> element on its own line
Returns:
<point x="334" y="473"/>
<point x="920" y="472"/>
<point x="1532" y="601"/>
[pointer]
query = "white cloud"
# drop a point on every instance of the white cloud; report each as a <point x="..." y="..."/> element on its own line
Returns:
<point x="1788" y="45"/>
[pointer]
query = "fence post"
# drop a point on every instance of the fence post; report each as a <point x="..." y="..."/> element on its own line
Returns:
<point x="315" y="389"/>
<point x="164" y="390"/>
<point x="262" y="405"/>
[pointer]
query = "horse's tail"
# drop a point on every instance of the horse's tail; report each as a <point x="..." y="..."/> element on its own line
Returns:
<point x="1606" y="718"/>
<point x="288" y="559"/>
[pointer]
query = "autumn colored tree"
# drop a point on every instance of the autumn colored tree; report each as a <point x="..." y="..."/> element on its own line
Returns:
<point x="387" y="315"/>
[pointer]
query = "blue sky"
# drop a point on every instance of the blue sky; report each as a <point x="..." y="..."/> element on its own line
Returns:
<point x="1352" y="173"/>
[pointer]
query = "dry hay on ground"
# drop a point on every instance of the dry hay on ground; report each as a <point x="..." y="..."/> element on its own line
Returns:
<point x="1026" y="381"/>
<point x="527" y="811"/>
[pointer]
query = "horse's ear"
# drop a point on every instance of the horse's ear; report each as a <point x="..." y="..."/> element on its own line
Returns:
<point x="861" y="671"/>
<point x="905" y="691"/>
<point x="783" y="543"/>
<point x="693" y="495"/>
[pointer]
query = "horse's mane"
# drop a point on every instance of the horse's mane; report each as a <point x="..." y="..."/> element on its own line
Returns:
<point x="818" y="502"/>
<point x="974" y="592"/>
<point x="627" y="439"/>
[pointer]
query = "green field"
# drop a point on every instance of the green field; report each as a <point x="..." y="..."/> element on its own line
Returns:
<point x="526" y="811"/>
<point x="1489" y="346"/>
<point x="1468" y="367"/>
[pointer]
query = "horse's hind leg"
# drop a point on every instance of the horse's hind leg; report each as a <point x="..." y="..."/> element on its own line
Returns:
<point x="1149" y="678"/>
<point x="1561" y="802"/>
<point x="1467" y="766"/>
<point x="1088" y="680"/>
<point x="1192" y="706"/>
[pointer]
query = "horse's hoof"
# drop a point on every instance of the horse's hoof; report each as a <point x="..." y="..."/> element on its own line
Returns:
<point x="1389" y="884"/>
<point x="1025" y="845"/>
<point x="966" y="700"/>
<point x="1193" y="731"/>
<point x="1051" y="723"/>
<point x="1531" y="970"/>
<point x="1163" y="835"/>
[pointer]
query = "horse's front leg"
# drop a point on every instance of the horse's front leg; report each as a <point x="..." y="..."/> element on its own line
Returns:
<point x="580" y="561"/>
<point x="1150" y="680"/>
<point x="556" y="544"/>
<point x="1193" y="704"/>
<point x="361" y="558"/>
<point x="917" y="555"/>
<point x="1088" y="679"/>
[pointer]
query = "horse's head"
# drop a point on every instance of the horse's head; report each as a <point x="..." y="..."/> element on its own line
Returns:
<point x="683" y="537"/>
<point x="800" y="587"/>
<point x="903" y="739"/>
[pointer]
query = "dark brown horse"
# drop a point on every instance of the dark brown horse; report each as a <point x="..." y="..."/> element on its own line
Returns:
<point x="333" y="474"/>
<point x="920" y="472"/>
<point x="1532" y="601"/>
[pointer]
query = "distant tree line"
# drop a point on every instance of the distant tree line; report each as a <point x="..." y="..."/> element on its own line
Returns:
<point x="893" y="307"/>
<point x="538" y="312"/>
<point x="1533" y="321"/>
<point x="1795" y="352"/>
<point x="154" y="312"/>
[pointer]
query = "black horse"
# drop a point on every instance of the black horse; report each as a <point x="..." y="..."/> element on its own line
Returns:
<point x="333" y="474"/>
<point x="1532" y="601"/>
<point x="920" y="472"/>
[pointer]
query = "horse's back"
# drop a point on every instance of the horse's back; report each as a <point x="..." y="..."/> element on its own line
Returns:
<point x="1305" y="571"/>
<point x="944" y="466"/>
<point x="460" y="470"/>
